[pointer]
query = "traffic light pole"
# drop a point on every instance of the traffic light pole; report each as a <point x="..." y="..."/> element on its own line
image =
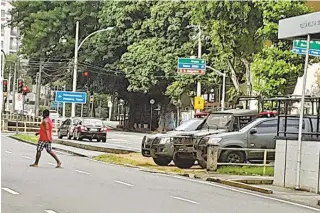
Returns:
<point x="9" y="88"/>
<point x="14" y="87"/>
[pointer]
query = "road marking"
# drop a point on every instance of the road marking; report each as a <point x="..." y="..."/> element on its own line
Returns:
<point x="10" y="191"/>
<point x="52" y="164"/>
<point x="8" y="152"/>
<point x="243" y="192"/>
<point x="124" y="183"/>
<point x="26" y="157"/>
<point x="82" y="172"/>
<point x="50" y="211"/>
<point x="186" y="200"/>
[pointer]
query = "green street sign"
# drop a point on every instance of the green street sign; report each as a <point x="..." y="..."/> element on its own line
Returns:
<point x="195" y="66"/>
<point x="300" y="47"/>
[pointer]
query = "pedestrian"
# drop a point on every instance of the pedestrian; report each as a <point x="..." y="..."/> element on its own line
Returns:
<point x="45" y="139"/>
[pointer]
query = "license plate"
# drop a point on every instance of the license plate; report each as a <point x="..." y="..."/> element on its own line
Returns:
<point x="94" y="130"/>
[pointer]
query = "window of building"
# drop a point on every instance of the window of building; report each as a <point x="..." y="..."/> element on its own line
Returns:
<point x="2" y="29"/>
<point x="3" y="13"/>
<point x="13" y="44"/>
<point x="1" y="44"/>
<point x="13" y="31"/>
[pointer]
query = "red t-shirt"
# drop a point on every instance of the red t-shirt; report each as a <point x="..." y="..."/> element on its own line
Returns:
<point x="42" y="132"/>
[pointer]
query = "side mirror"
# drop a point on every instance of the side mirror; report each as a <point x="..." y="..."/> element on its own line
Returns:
<point x="253" y="131"/>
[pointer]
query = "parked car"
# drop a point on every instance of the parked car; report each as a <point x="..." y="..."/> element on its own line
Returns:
<point x="260" y="134"/>
<point x="159" y="146"/>
<point x="217" y="122"/>
<point x="67" y="127"/>
<point x="89" y="128"/>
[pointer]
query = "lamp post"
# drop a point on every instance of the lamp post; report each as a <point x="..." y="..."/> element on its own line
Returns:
<point x="75" y="68"/>
<point x="223" y="86"/>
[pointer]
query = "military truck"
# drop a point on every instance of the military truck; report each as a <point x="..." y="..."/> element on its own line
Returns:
<point x="184" y="153"/>
<point x="159" y="146"/>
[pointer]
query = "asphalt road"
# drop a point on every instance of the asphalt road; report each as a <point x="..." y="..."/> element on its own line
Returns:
<point x="83" y="186"/>
<point x="118" y="140"/>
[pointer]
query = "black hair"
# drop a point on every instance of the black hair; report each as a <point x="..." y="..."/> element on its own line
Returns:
<point x="45" y="113"/>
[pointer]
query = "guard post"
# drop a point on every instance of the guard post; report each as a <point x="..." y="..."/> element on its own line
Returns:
<point x="212" y="156"/>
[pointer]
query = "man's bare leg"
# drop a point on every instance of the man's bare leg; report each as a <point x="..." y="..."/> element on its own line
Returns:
<point x="38" y="155"/>
<point x="56" y="158"/>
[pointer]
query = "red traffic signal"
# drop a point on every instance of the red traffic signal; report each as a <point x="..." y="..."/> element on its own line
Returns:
<point x="86" y="74"/>
<point x="25" y="90"/>
<point x="5" y="85"/>
<point x="20" y="85"/>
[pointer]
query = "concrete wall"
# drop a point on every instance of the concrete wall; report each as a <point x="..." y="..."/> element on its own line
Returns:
<point x="285" y="169"/>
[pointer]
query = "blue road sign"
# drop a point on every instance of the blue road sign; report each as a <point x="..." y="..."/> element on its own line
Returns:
<point x="194" y="66"/>
<point x="303" y="51"/>
<point x="55" y="105"/>
<point x="71" y="97"/>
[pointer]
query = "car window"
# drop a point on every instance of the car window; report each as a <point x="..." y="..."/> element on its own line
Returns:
<point x="219" y="121"/>
<point x="267" y="127"/>
<point x="93" y="122"/>
<point x="189" y="125"/>
<point x="65" y="122"/>
<point x="75" y="121"/>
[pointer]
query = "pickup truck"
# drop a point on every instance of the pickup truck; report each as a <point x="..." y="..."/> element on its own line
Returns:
<point x="159" y="146"/>
<point x="217" y="122"/>
<point x="260" y="134"/>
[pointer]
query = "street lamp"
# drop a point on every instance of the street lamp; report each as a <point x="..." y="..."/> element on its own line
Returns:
<point x="76" y="49"/>
<point x="223" y="85"/>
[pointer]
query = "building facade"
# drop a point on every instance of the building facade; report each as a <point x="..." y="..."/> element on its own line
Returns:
<point x="9" y="35"/>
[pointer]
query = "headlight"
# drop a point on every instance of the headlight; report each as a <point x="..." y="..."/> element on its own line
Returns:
<point x="164" y="140"/>
<point x="214" y="141"/>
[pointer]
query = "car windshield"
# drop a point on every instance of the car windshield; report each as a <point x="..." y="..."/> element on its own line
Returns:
<point x="189" y="125"/>
<point x="92" y="122"/>
<point x="219" y="121"/>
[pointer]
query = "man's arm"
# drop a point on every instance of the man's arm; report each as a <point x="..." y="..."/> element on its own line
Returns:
<point x="46" y="126"/>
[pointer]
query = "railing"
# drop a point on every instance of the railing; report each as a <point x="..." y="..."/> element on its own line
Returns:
<point x="28" y="126"/>
<point x="213" y="156"/>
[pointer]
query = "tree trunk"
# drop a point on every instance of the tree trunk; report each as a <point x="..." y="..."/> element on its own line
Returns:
<point x="163" y="111"/>
<point x="234" y="77"/>
<point x="248" y="76"/>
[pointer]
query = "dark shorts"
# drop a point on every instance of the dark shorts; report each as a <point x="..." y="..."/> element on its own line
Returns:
<point x="44" y="144"/>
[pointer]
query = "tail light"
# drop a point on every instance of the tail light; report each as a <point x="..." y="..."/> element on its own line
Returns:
<point x="105" y="129"/>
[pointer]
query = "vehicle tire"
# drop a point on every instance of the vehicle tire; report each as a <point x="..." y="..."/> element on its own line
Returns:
<point x="90" y="139"/>
<point x="104" y="140"/>
<point x="79" y="138"/>
<point x="162" y="161"/>
<point x="68" y="135"/>
<point x="230" y="156"/>
<point x="98" y="140"/>
<point x="59" y="135"/>
<point x="202" y="163"/>
<point x="183" y="163"/>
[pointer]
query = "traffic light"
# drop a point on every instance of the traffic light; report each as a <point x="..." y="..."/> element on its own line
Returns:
<point x="86" y="74"/>
<point x="25" y="90"/>
<point x="20" y="85"/>
<point x="5" y="85"/>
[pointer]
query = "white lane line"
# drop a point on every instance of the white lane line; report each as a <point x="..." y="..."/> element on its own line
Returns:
<point x="50" y="211"/>
<point x="243" y="192"/>
<point x="186" y="200"/>
<point x="123" y="183"/>
<point x="27" y="157"/>
<point x="52" y="164"/>
<point x="82" y="172"/>
<point x="10" y="191"/>
<point x="8" y="152"/>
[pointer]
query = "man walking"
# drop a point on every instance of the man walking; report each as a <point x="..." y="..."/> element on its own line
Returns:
<point x="45" y="139"/>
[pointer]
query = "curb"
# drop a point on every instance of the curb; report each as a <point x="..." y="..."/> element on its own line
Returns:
<point x="240" y="185"/>
<point x="254" y="182"/>
<point x="54" y="148"/>
<point x="93" y="148"/>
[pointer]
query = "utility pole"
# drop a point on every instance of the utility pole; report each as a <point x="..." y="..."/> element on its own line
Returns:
<point x="38" y="89"/>
<point x="14" y="85"/>
<point x="199" y="56"/>
<point x="75" y="69"/>
<point x="64" y="105"/>
<point x="9" y="88"/>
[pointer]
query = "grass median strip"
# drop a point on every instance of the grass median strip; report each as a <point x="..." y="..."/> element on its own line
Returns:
<point x="136" y="159"/>
<point x="26" y="137"/>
